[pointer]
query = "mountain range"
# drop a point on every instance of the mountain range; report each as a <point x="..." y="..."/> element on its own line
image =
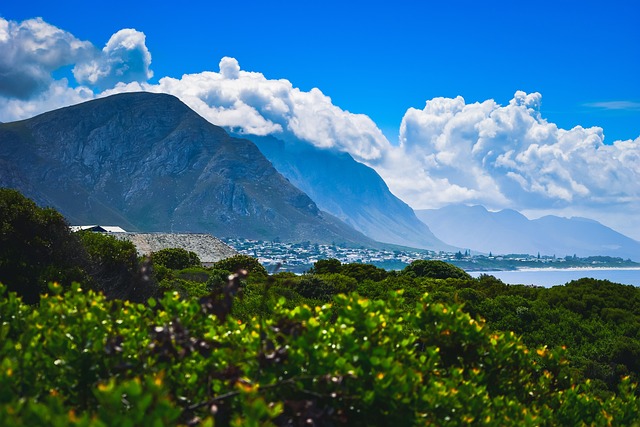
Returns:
<point x="351" y="191"/>
<point x="147" y="162"/>
<point x="510" y="232"/>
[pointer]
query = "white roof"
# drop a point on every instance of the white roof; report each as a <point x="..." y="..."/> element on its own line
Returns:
<point x="98" y="228"/>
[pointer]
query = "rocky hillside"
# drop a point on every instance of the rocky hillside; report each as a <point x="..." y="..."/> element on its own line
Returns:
<point x="148" y="163"/>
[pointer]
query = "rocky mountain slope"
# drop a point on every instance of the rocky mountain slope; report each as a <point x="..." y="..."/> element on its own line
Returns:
<point x="351" y="191"/>
<point x="146" y="162"/>
<point x="508" y="232"/>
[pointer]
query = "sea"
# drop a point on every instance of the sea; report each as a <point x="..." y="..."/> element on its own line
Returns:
<point x="549" y="277"/>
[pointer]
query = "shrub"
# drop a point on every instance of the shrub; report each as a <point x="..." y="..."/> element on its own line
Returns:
<point x="175" y="258"/>
<point x="326" y="266"/>
<point x="36" y="247"/>
<point x="79" y="359"/>
<point x="435" y="269"/>
<point x="242" y="262"/>
<point x="115" y="268"/>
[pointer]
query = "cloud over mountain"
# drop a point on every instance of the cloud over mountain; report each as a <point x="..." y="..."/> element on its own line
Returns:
<point x="494" y="155"/>
<point x="30" y="51"/>
<point x="124" y="59"/>
<point x="249" y="102"/>
<point x="451" y="151"/>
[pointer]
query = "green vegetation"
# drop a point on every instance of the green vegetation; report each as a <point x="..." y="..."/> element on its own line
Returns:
<point x="36" y="247"/>
<point x="176" y="258"/>
<point x="344" y="344"/>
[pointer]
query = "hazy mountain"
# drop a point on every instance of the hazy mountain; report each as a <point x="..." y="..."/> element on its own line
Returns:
<point x="508" y="231"/>
<point x="147" y="162"/>
<point x="351" y="191"/>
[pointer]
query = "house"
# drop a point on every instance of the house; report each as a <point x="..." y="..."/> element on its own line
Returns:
<point x="98" y="228"/>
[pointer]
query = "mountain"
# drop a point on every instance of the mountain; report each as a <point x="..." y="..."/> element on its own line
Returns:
<point x="351" y="191"/>
<point x="509" y="232"/>
<point x="148" y="163"/>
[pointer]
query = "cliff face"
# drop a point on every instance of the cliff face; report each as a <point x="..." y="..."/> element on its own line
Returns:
<point x="147" y="162"/>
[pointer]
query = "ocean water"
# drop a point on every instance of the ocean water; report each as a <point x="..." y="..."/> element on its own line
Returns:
<point x="552" y="277"/>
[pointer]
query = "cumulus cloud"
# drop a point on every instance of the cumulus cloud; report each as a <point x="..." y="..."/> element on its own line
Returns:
<point x="57" y="95"/>
<point x="500" y="156"/>
<point x="509" y="156"/>
<point x="30" y="51"/>
<point x="248" y="102"/>
<point x="124" y="59"/>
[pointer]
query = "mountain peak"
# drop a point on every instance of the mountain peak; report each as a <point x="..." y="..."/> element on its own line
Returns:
<point x="148" y="162"/>
<point x="509" y="231"/>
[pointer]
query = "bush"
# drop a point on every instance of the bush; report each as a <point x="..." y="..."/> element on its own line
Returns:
<point x="326" y="266"/>
<point x="36" y="247"/>
<point x="115" y="268"/>
<point x="79" y="359"/>
<point x="435" y="269"/>
<point x="362" y="272"/>
<point x="176" y="258"/>
<point x="242" y="262"/>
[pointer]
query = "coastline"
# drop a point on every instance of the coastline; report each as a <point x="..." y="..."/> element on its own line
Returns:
<point x="532" y="269"/>
<point x="558" y="276"/>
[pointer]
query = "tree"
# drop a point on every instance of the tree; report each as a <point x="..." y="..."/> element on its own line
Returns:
<point x="361" y="272"/>
<point x="114" y="267"/>
<point x="175" y="258"/>
<point x="435" y="269"/>
<point x="36" y="247"/>
<point x="326" y="266"/>
<point x="241" y="262"/>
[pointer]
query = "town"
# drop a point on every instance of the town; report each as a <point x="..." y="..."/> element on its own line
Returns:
<point x="300" y="257"/>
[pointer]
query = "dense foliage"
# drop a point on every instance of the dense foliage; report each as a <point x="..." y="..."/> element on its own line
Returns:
<point x="36" y="247"/>
<point x="153" y="342"/>
<point x="79" y="359"/>
<point x="176" y="258"/>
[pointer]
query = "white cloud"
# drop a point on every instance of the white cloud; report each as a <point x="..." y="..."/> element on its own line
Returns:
<point x="229" y="68"/>
<point x="30" y="51"/>
<point x="250" y="103"/>
<point x="57" y="95"/>
<point x="124" y="59"/>
<point x="509" y="156"/>
<point x="450" y="151"/>
<point x="615" y="105"/>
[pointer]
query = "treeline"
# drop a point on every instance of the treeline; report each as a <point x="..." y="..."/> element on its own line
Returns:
<point x="165" y="341"/>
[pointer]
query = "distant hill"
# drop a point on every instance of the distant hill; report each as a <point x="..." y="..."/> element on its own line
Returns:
<point x="351" y="191"/>
<point x="507" y="231"/>
<point x="146" y="162"/>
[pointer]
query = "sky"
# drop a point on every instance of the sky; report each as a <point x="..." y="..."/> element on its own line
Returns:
<point x="533" y="106"/>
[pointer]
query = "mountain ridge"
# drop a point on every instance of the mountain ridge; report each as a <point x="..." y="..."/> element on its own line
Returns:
<point x="149" y="163"/>
<point x="508" y="231"/>
<point x="350" y="190"/>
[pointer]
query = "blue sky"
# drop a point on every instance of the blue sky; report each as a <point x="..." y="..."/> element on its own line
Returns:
<point x="533" y="106"/>
<point x="380" y="58"/>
